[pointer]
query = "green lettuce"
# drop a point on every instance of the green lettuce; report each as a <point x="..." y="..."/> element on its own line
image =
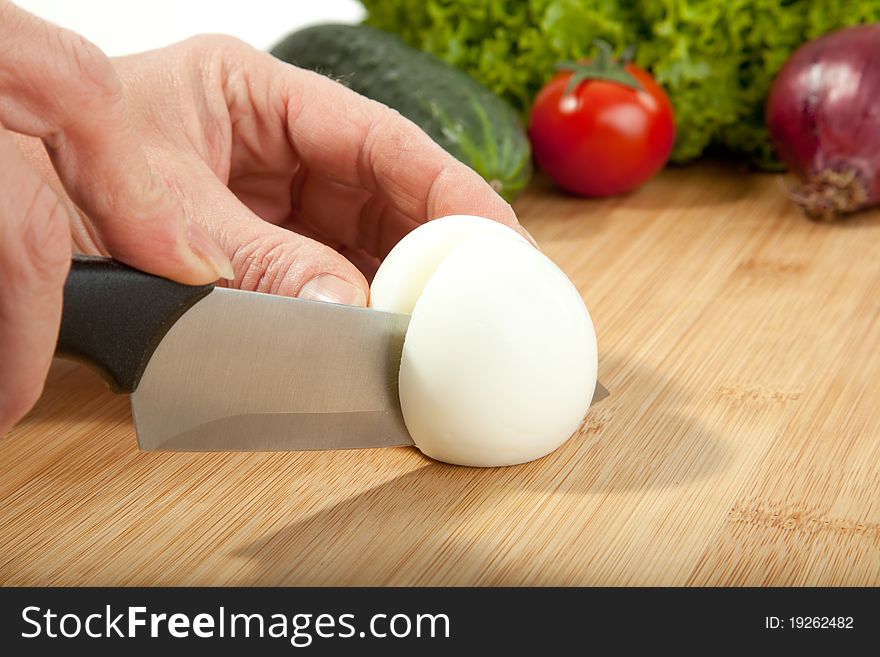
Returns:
<point x="715" y="58"/>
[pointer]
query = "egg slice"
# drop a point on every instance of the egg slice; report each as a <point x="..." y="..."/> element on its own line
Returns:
<point x="500" y="360"/>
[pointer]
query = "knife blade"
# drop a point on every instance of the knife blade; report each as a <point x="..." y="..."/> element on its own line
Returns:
<point x="218" y="369"/>
<point x="250" y="371"/>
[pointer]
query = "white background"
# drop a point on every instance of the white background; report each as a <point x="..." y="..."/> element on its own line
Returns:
<point x="121" y="27"/>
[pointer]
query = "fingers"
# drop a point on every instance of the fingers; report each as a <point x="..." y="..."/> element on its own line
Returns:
<point x="352" y="140"/>
<point x="57" y="86"/>
<point x="34" y="260"/>
<point x="345" y="140"/>
<point x="265" y="257"/>
<point x="277" y="261"/>
<point x="411" y="179"/>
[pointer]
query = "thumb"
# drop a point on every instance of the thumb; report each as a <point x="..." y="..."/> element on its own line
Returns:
<point x="267" y="258"/>
<point x="34" y="260"/>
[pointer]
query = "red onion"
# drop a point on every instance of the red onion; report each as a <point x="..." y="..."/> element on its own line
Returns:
<point x="824" y="119"/>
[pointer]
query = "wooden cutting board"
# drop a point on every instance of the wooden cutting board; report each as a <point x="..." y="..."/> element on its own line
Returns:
<point x="740" y="444"/>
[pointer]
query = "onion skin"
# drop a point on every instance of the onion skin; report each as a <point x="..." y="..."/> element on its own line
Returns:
<point x="823" y="114"/>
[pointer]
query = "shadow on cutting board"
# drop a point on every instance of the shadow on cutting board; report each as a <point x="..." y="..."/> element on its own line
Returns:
<point x="451" y="523"/>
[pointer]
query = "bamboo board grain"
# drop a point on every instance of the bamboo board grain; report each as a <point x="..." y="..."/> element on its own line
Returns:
<point x="741" y="443"/>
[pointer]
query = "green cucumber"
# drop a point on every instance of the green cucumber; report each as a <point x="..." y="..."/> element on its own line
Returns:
<point x="456" y="111"/>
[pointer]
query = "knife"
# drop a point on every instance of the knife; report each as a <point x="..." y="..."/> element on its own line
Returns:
<point x="216" y="369"/>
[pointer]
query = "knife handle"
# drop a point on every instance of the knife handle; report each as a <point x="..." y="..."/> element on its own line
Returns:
<point x="115" y="316"/>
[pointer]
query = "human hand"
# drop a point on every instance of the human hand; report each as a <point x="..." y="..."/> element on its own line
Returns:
<point x="297" y="176"/>
<point x="253" y="149"/>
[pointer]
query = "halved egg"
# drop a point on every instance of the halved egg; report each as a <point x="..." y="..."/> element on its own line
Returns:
<point x="500" y="359"/>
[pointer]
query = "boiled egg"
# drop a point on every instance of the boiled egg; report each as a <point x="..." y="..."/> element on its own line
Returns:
<point x="499" y="362"/>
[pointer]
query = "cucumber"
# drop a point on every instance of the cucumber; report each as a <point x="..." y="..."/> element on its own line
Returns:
<point x="459" y="113"/>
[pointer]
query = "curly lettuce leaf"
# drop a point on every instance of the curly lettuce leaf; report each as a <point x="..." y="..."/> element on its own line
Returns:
<point x="716" y="60"/>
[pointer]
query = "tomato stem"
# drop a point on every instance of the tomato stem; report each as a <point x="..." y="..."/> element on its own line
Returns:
<point x="604" y="67"/>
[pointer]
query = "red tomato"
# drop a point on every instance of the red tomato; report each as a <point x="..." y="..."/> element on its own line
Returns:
<point x="603" y="138"/>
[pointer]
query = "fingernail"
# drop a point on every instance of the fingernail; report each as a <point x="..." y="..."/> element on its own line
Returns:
<point x="333" y="289"/>
<point x="208" y="251"/>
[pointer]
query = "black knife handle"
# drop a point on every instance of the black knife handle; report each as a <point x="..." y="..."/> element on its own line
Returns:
<point x="114" y="317"/>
